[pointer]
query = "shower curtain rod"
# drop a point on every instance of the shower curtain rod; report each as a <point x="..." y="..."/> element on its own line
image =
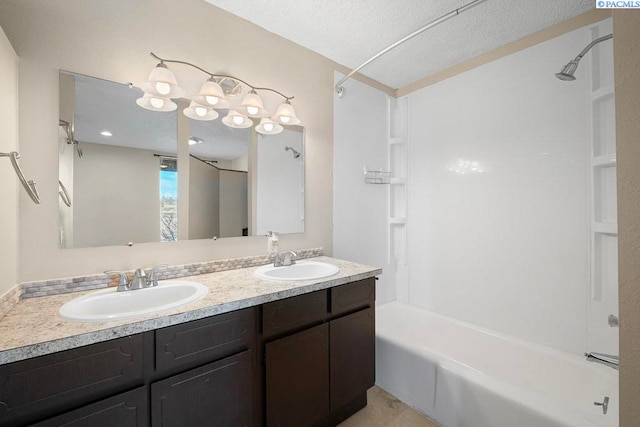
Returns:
<point x="340" y="89"/>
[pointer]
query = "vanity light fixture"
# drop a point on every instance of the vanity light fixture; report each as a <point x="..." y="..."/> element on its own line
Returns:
<point x="268" y="127"/>
<point x="161" y="87"/>
<point x="155" y="103"/>
<point x="198" y="111"/>
<point x="252" y="105"/>
<point x="286" y="115"/>
<point x="237" y="120"/>
<point x="162" y="83"/>
<point x="212" y="95"/>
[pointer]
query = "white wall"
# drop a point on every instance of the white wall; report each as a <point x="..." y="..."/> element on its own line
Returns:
<point x="204" y="200"/>
<point x="506" y="248"/>
<point x="359" y="209"/>
<point x="111" y="39"/>
<point x="116" y="196"/>
<point x="8" y="178"/>
<point x="234" y="205"/>
<point x="279" y="181"/>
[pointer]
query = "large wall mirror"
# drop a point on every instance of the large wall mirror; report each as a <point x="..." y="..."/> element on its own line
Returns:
<point x="132" y="175"/>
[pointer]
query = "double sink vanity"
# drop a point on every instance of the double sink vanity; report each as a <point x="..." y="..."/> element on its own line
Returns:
<point x="275" y="346"/>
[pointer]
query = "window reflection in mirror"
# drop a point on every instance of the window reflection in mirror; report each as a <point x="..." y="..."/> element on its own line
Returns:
<point x="123" y="167"/>
<point x="168" y="199"/>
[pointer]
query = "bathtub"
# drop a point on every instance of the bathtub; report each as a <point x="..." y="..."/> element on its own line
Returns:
<point x="461" y="375"/>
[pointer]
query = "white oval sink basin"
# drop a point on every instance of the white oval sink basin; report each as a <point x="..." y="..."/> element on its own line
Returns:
<point x="106" y="305"/>
<point x="301" y="270"/>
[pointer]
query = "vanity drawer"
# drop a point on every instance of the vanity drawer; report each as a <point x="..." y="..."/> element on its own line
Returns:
<point x="291" y="314"/>
<point x="193" y="343"/>
<point x="353" y="296"/>
<point x="130" y="409"/>
<point x="33" y="388"/>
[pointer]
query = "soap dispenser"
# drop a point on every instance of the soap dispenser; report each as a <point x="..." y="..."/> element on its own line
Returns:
<point x="272" y="242"/>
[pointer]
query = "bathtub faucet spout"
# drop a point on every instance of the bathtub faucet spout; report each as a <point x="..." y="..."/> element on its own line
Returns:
<point x="606" y="359"/>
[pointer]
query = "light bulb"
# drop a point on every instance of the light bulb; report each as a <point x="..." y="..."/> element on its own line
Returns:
<point x="163" y="88"/>
<point x="252" y="110"/>
<point x="156" y="102"/>
<point x="285" y="119"/>
<point x="211" y="100"/>
<point x="268" y="127"/>
<point x="201" y="111"/>
<point x="238" y="120"/>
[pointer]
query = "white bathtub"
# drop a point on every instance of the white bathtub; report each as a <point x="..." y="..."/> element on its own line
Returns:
<point x="461" y="375"/>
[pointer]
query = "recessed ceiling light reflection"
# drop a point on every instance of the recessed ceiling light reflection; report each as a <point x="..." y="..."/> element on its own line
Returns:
<point x="106" y="133"/>
<point x="193" y="140"/>
<point x="465" y="167"/>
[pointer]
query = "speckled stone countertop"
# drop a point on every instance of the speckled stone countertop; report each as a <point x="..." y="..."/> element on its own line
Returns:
<point x="34" y="327"/>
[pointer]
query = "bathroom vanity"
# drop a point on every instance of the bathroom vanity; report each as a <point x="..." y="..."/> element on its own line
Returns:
<point x="300" y="357"/>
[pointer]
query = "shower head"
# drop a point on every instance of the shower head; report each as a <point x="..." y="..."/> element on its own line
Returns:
<point x="296" y="154"/>
<point x="568" y="71"/>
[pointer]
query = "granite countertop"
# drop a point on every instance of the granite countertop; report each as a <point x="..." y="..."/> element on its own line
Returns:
<point x="34" y="327"/>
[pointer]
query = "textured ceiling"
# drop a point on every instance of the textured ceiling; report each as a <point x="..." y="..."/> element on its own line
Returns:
<point x="351" y="31"/>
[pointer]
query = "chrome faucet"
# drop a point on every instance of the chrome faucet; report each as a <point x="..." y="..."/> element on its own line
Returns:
<point x="609" y="360"/>
<point x="287" y="259"/>
<point x="140" y="280"/>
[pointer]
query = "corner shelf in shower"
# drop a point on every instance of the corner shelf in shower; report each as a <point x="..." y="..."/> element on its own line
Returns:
<point x="393" y="141"/>
<point x="397" y="221"/>
<point x="603" y="161"/>
<point x="603" y="298"/>
<point x="605" y="228"/>
<point x="602" y="93"/>
<point x="397" y="190"/>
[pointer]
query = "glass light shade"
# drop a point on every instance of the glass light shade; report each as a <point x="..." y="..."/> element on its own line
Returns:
<point x="252" y="106"/>
<point x="156" y="103"/>
<point x="162" y="83"/>
<point x="236" y="120"/>
<point x="212" y="95"/>
<point x="286" y="115"/>
<point x="197" y="111"/>
<point x="268" y="127"/>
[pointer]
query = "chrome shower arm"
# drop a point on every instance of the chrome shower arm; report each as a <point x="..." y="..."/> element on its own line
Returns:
<point x="592" y="44"/>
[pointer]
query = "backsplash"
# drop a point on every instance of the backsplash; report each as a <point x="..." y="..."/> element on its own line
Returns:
<point x="41" y="288"/>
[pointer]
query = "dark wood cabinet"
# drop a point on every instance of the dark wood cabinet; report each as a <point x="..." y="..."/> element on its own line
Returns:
<point x="297" y="378"/>
<point x="193" y="343"/>
<point x="301" y="361"/>
<point x="319" y="375"/>
<point x="293" y="314"/>
<point x="36" y="388"/>
<point x="129" y="409"/>
<point x="216" y="394"/>
<point x="352" y="356"/>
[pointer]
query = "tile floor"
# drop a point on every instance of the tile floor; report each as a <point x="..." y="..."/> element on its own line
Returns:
<point x="384" y="410"/>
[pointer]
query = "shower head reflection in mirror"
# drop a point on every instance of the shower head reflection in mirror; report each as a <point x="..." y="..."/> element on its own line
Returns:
<point x="221" y="202"/>
<point x="296" y="154"/>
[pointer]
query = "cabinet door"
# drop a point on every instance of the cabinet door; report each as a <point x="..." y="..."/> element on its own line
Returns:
<point x="297" y="378"/>
<point x="217" y="394"/>
<point x="187" y="345"/>
<point x="293" y="314"/>
<point x="352" y="356"/>
<point x="128" y="409"/>
<point x="69" y="379"/>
